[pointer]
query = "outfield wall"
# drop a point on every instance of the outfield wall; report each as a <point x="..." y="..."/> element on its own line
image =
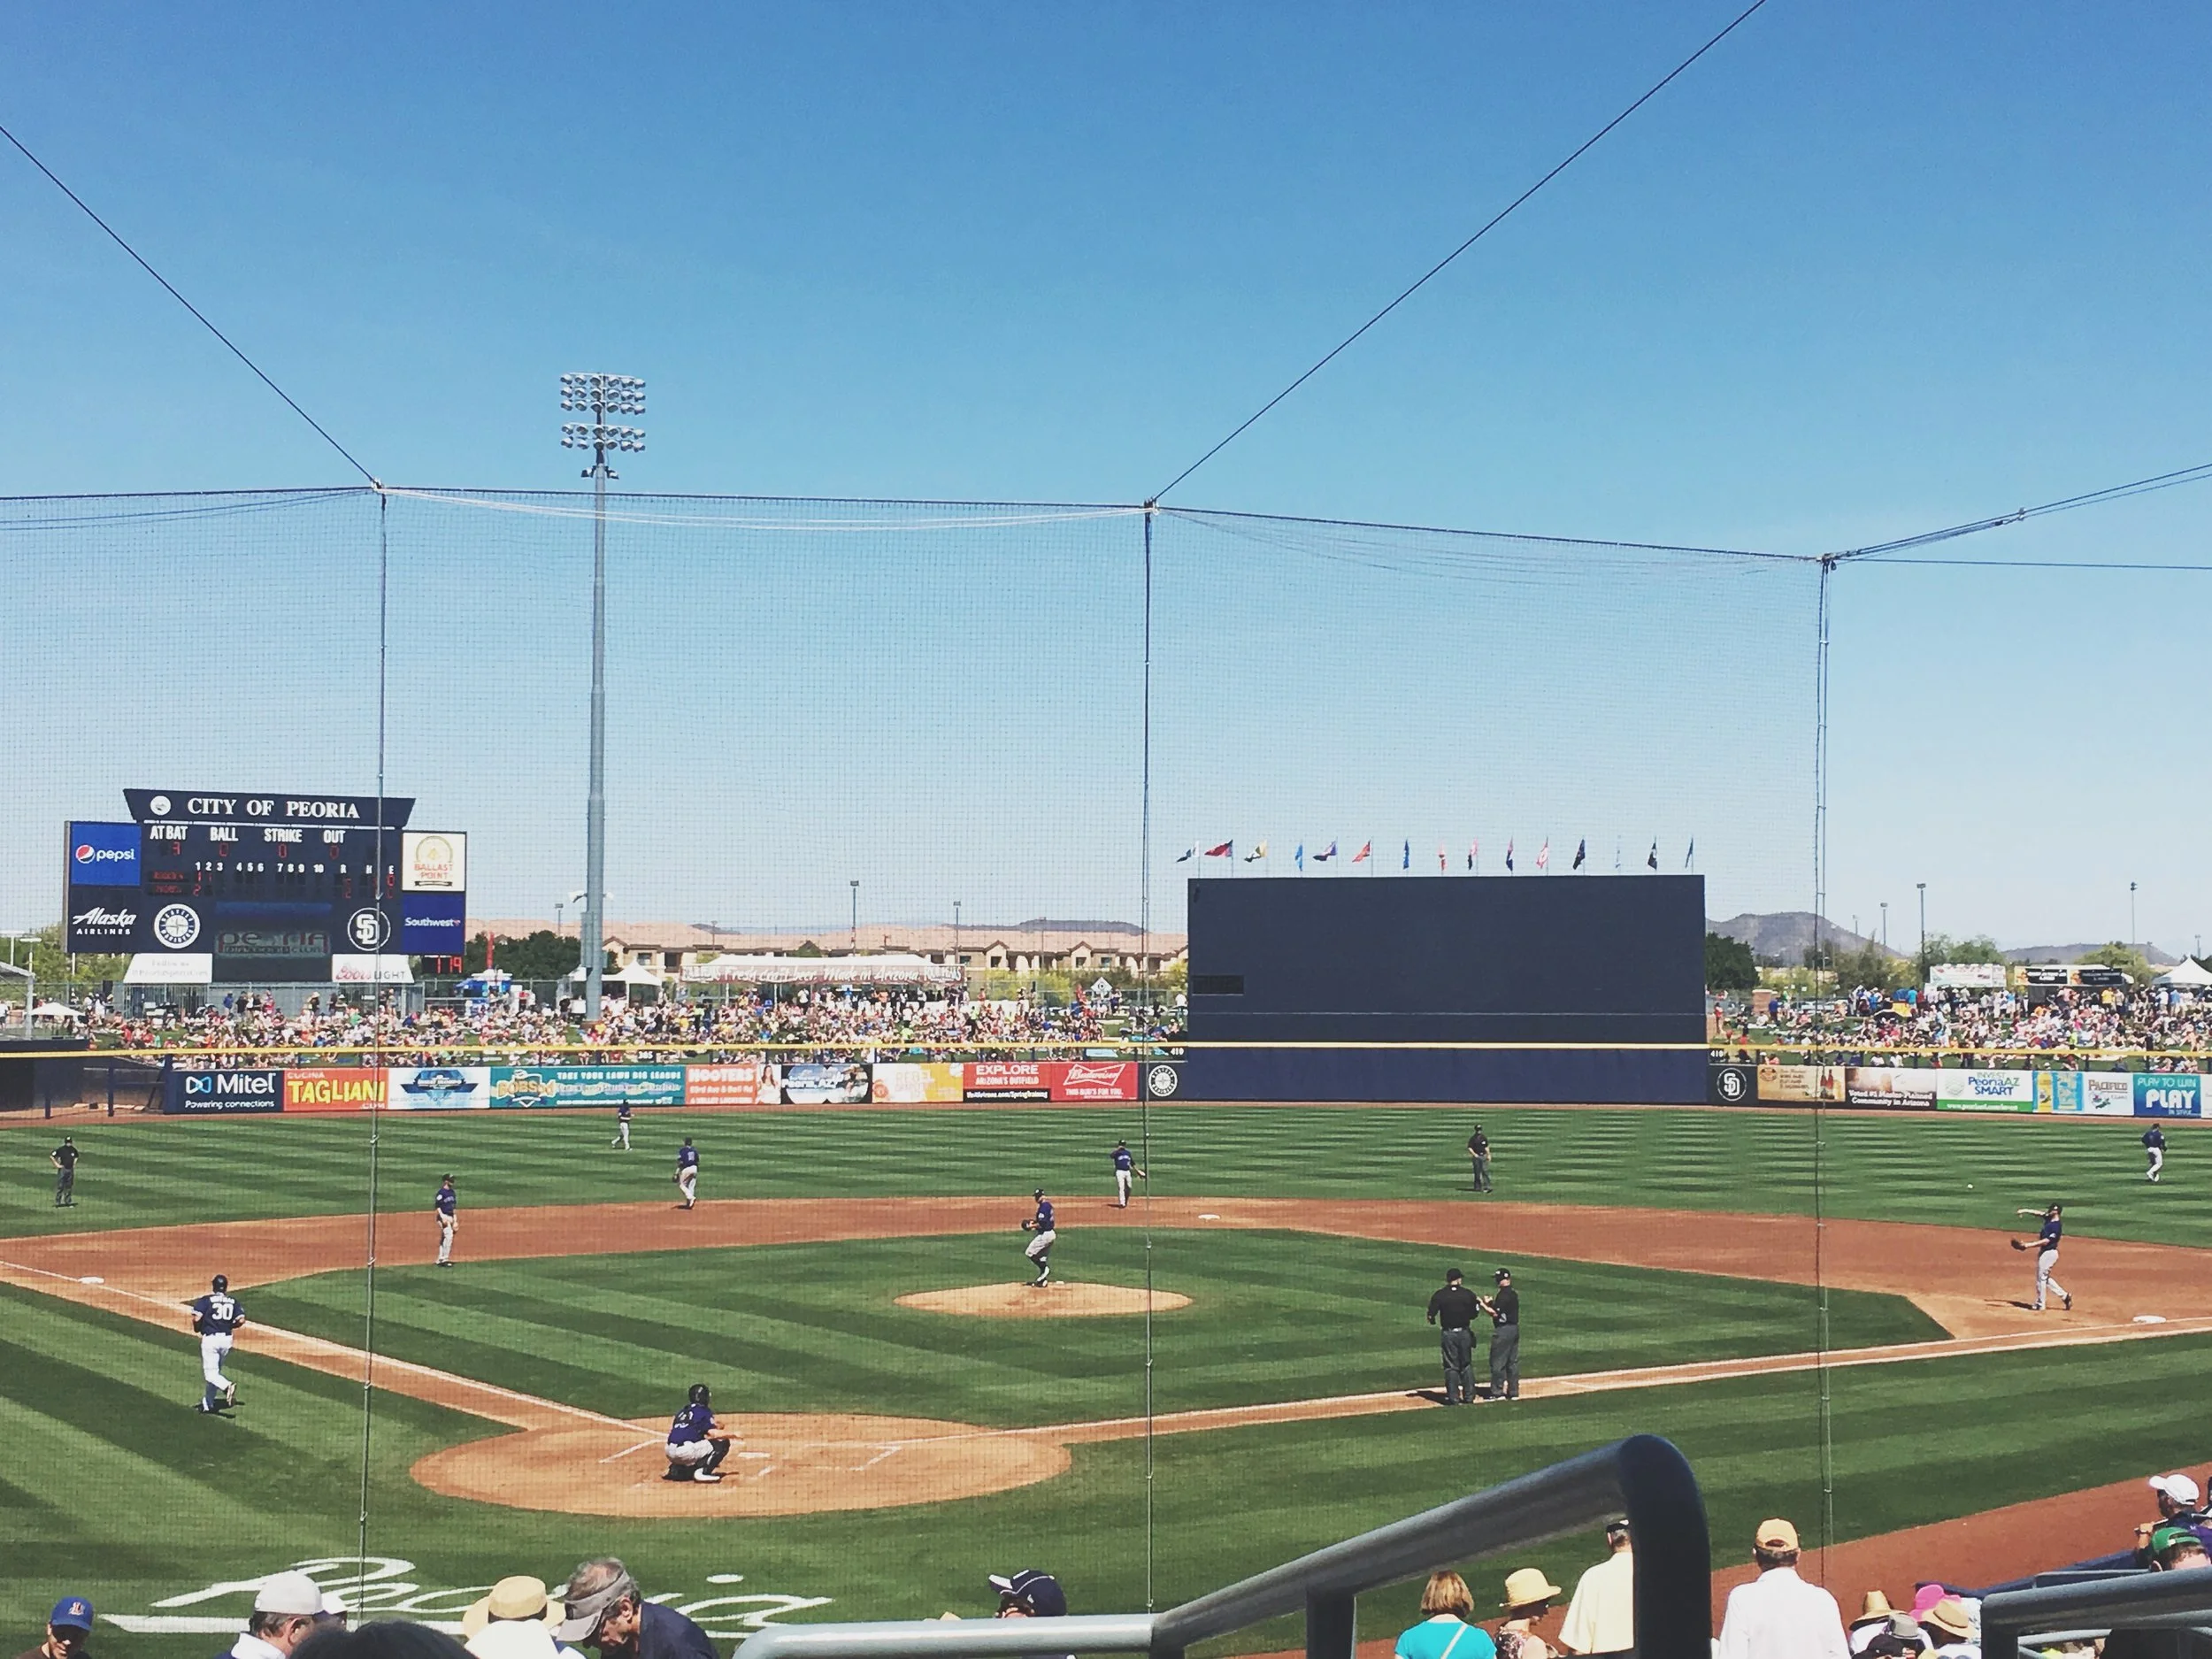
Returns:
<point x="2157" y="1095"/>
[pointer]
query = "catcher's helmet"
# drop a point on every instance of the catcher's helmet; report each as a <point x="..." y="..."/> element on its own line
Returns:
<point x="698" y="1394"/>
<point x="222" y="1281"/>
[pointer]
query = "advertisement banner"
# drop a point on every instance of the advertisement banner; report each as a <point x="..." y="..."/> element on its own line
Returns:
<point x="101" y="919"/>
<point x="2169" y="1094"/>
<point x="1008" y="1080"/>
<point x="195" y="1094"/>
<point x="1052" y="1079"/>
<point x="348" y="969"/>
<point x="587" y="1085"/>
<point x="103" y="855"/>
<point x="1094" y="1080"/>
<point x="171" y="806"/>
<point x="2095" y="1093"/>
<point x="434" y="924"/>
<point x="901" y="1083"/>
<point x="819" y="1083"/>
<point x="735" y="1083"/>
<point x="1800" y="1083"/>
<point x="431" y="862"/>
<point x="438" y="1088"/>
<point x="1967" y="976"/>
<point x="1889" y="1088"/>
<point x="333" y="1089"/>
<point x="1975" y="1091"/>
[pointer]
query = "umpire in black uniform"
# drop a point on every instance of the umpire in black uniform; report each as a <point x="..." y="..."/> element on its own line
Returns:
<point x="1504" y="1308"/>
<point x="1454" y="1309"/>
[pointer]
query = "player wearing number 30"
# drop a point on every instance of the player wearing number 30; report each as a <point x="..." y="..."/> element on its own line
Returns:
<point x="214" y="1318"/>
<point x="2045" y="1249"/>
<point x="1040" y="1250"/>
<point x="687" y="1172"/>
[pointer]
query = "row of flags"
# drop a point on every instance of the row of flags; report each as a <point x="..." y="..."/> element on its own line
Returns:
<point x="1366" y="855"/>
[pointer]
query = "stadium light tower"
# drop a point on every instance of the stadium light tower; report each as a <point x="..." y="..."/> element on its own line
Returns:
<point x="601" y="396"/>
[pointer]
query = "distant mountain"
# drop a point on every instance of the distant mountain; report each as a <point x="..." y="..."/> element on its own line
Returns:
<point x="1044" y="924"/>
<point x="2151" y="954"/>
<point x="1783" y="937"/>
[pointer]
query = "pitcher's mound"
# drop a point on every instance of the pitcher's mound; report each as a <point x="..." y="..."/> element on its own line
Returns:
<point x="1054" y="1301"/>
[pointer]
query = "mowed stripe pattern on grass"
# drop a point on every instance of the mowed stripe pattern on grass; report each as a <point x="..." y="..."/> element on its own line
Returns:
<point x="1904" y="1167"/>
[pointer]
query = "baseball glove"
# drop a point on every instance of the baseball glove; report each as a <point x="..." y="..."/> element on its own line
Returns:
<point x="2017" y="1245"/>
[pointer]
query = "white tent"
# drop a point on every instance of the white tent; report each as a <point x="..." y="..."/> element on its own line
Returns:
<point x="2185" y="975"/>
<point x="632" y="973"/>
<point x="894" y="967"/>
<point x="54" y="1010"/>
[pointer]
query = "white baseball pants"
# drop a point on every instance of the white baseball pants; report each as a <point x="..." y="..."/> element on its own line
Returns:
<point x="2043" y="1263"/>
<point x="213" y="1348"/>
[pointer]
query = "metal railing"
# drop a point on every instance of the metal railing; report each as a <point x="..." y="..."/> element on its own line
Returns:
<point x="1643" y="1476"/>
<point x="2152" y="1600"/>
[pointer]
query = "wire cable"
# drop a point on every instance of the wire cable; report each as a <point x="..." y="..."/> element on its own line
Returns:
<point x="1495" y="220"/>
<point x="2196" y="475"/>
<point x="228" y="343"/>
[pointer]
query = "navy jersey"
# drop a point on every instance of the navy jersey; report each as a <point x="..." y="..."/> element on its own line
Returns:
<point x="217" y="1313"/>
<point x="1122" y="1160"/>
<point x="1043" y="1223"/>
<point x="2153" y="1136"/>
<point x="686" y="1158"/>
<point x="2051" y="1227"/>
<point x="622" y="1111"/>
<point x="448" y="1200"/>
<point x="690" y="1424"/>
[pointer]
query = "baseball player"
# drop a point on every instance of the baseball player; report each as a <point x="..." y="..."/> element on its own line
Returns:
<point x="2046" y="1253"/>
<point x="697" y="1441"/>
<point x="2154" y="1146"/>
<point x="621" y="1127"/>
<point x="447" y="1207"/>
<point x="214" y="1318"/>
<point x="64" y="1158"/>
<point x="1125" y="1170"/>
<point x="1040" y="1250"/>
<point x="687" y="1172"/>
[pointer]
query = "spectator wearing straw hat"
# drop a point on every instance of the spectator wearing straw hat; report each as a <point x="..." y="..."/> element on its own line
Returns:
<point x="1601" y="1618"/>
<point x="1778" y="1615"/>
<point x="1876" y="1615"/>
<point x="1446" y="1604"/>
<point x="515" y="1621"/>
<point x="68" y="1630"/>
<point x="1528" y="1597"/>
<point x="1950" y="1627"/>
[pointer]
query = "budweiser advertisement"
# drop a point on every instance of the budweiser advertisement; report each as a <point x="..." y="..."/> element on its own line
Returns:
<point x="1052" y="1079"/>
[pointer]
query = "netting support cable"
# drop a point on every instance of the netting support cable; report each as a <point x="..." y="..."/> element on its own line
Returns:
<point x="228" y="344"/>
<point x="1144" y="1090"/>
<point x="1497" y="219"/>
<point x="376" y="898"/>
<point x="1820" y="1121"/>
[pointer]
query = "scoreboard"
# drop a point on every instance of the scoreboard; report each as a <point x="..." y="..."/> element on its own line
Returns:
<point x="268" y="888"/>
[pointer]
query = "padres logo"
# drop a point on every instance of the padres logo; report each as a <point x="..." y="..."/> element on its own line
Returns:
<point x="1732" y="1085"/>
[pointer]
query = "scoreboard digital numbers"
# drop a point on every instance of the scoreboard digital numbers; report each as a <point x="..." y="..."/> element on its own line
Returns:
<point x="268" y="888"/>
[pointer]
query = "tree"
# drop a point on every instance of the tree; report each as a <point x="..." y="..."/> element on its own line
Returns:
<point x="2127" y="958"/>
<point x="544" y="955"/>
<point x="43" y="954"/>
<point x="1728" y="964"/>
<point x="1873" y="967"/>
<point x="1979" y="948"/>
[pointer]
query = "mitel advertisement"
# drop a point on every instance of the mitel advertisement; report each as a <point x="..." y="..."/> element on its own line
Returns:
<point x="586" y="1085"/>
<point x="434" y="924"/>
<point x="438" y="1088"/>
<point x="103" y="854"/>
<point x="2169" y="1094"/>
<point x="101" y="919"/>
<point x="196" y="1093"/>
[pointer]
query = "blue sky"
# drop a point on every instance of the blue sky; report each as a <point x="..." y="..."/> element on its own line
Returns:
<point x="1866" y="268"/>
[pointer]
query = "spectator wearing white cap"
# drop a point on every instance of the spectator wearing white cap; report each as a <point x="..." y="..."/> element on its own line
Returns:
<point x="68" y="1628"/>
<point x="1778" y="1615"/>
<point x="2180" y="1503"/>
<point x="287" y="1609"/>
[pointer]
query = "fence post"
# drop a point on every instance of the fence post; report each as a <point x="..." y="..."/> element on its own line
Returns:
<point x="110" y="1088"/>
<point x="1331" y="1622"/>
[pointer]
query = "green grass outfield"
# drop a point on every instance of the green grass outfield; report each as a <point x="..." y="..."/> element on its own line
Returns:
<point x="1908" y="1167"/>
<point x="113" y="1487"/>
<point x="815" y="1327"/>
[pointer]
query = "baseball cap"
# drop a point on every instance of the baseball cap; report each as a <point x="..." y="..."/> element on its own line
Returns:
<point x="289" y="1592"/>
<point x="1039" y="1592"/>
<point x="334" y="1606"/>
<point x="2164" y="1538"/>
<point x="1616" y="1523"/>
<point x="1502" y="1273"/>
<point x="72" y="1612"/>
<point x="2180" y="1488"/>
<point x="1775" y="1534"/>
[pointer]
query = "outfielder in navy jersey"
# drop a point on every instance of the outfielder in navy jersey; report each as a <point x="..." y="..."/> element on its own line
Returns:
<point x="1125" y="1170"/>
<point x="1040" y="1250"/>
<point x="621" y="1127"/>
<point x="2154" y="1149"/>
<point x="697" y="1441"/>
<point x="2046" y="1246"/>
<point x="687" y="1172"/>
<point x="214" y="1318"/>
<point x="447" y="1207"/>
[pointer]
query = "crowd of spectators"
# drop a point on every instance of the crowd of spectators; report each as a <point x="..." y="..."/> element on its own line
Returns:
<point x="1975" y="1028"/>
<point x="849" y="1024"/>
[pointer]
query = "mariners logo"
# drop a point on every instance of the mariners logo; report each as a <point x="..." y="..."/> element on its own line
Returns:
<point x="1162" y="1081"/>
<point x="368" y="929"/>
<point x="176" y="926"/>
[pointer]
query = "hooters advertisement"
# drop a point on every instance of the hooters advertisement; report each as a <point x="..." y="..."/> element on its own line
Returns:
<point x="1040" y="1081"/>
